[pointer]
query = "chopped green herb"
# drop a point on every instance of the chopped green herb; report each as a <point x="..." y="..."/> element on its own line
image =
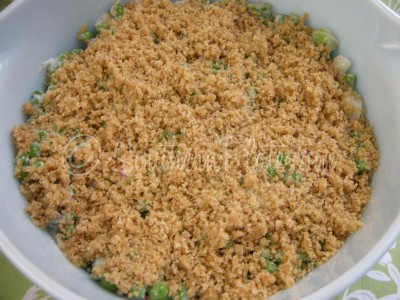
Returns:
<point x="246" y="75"/>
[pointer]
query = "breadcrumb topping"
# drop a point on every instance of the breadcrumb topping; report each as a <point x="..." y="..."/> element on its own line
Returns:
<point x="191" y="144"/>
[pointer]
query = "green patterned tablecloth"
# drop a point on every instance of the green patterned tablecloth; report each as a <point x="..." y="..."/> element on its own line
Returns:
<point x="381" y="282"/>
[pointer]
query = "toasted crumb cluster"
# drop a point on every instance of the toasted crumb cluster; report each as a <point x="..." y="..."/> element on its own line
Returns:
<point x="193" y="145"/>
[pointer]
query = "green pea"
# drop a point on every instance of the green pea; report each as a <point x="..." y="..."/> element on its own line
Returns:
<point x="182" y="294"/>
<point x="68" y="54"/>
<point x="294" y="18"/>
<point x="217" y="65"/>
<point x="138" y="292"/>
<point x="280" y="19"/>
<point x="39" y="164"/>
<point x="296" y="177"/>
<point x="280" y="101"/>
<point x="117" y="10"/>
<point x="350" y="79"/>
<point x="361" y="144"/>
<point x="265" y="254"/>
<point x="63" y="56"/>
<point x="354" y="134"/>
<point x="34" y="150"/>
<point x="155" y="38"/>
<point x="86" y="36"/>
<point x="304" y="257"/>
<point x="76" y="51"/>
<point x="22" y="175"/>
<point x="108" y="285"/>
<point x="36" y="97"/>
<point x="323" y="36"/>
<point x="167" y="135"/>
<point x="282" y="158"/>
<point x="24" y="159"/>
<point x="252" y="92"/>
<point x="270" y="266"/>
<point x="101" y="26"/>
<point x="159" y="292"/>
<point x="278" y="256"/>
<point x="263" y="10"/>
<point x="143" y="209"/>
<point x="42" y="134"/>
<point x="271" y="172"/>
<point x="360" y="166"/>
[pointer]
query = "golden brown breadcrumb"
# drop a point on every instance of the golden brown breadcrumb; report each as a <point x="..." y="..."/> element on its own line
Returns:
<point x="191" y="144"/>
